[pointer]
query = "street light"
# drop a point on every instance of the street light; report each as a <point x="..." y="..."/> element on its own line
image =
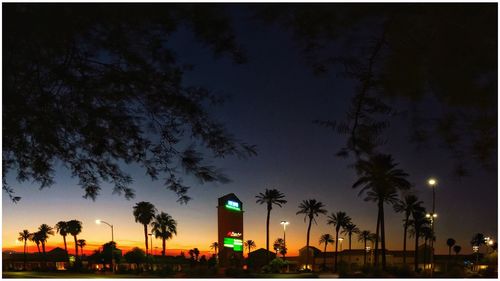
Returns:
<point x="284" y="224"/>
<point x="432" y="216"/>
<point x="98" y="221"/>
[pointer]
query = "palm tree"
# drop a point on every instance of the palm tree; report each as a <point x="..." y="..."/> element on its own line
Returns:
<point x="81" y="243"/>
<point x="339" y="220"/>
<point x="325" y="239"/>
<point x="24" y="236"/>
<point x="75" y="228"/>
<point x="45" y="230"/>
<point x="380" y="179"/>
<point x="457" y="250"/>
<point x="164" y="227"/>
<point x="311" y="209"/>
<point x="250" y="244"/>
<point x="144" y="212"/>
<point x="278" y="244"/>
<point x="417" y="223"/>
<point x="215" y="246"/>
<point x="477" y="240"/>
<point x="364" y="236"/>
<point x="450" y="242"/>
<point x="36" y="238"/>
<point x="62" y="228"/>
<point x="427" y="234"/>
<point x="196" y="253"/>
<point x="270" y="197"/>
<point x="407" y="206"/>
<point x="349" y="229"/>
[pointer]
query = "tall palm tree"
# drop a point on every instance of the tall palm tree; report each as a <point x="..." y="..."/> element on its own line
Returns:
<point x="45" y="230"/>
<point x="270" y="197"/>
<point x="24" y="236"/>
<point x="81" y="243"/>
<point x="418" y="222"/>
<point x="250" y="244"/>
<point x="450" y="242"/>
<point x="75" y="228"/>
<point x="36" y="238"/>
<point x="339" y="220"/>
<point x="364" y="236"/>
<point x="407" y="206"/>
<point x="311" y="209"/>
<point x="215" y="246"/>
<point x="380" y="179"/>
<point x="144" y="212"/>
<point x="477" y="240"/>
<point x="325" y="239"/>
<point x="164" y="227"/>
<point x="62" y="228"/>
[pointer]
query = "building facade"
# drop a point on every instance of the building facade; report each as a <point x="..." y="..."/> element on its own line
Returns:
<point x="230" y="230"/>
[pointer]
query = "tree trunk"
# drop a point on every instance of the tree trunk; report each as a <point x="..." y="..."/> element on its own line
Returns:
<point x="377" y="234"/>
<point x="65" y="247"/>
<point x="336" y="248"/>
<point x="267" y="233"/>
<point x="417" y="233"/>
<point x="364" y="253"/>
<point x="349" y="259"/>
<point x="38" y="246"/>
<point x="324" y="257"/>
<point x="163" y="247"/>
<point x="25" y="257"/>
<point x="146" y="238"/>
<point x="382" y="228"/>
<point x="76" y="247"/>
<point x="307" y="242"/>
<point x="404" y="239"/>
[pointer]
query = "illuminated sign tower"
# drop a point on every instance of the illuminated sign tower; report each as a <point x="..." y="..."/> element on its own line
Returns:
<point x="230" y="229"/>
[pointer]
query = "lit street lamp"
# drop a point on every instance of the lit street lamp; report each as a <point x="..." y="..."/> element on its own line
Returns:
<point x="432" y="216"/>
<point x="98" y="221"/>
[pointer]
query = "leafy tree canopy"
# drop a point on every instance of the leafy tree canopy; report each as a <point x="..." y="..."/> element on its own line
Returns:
<point x="417" y="52"/>
<point x="91" y="87"/>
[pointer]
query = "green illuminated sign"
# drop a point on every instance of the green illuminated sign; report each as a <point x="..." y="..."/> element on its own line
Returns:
<point x="236" y="244"/>
<point x="233" y="205"/>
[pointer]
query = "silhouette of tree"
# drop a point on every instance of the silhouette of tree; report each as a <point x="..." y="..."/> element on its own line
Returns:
<point x="450" y="242"/>
<point x="279" y="245"/>
<point x="75" y="228"/>
<point x="380" y="180"/>
<point x="164" y="227"/>
<point x="407" y="52"/>
<point x="349" y="229"/>
<point x="196" y="253"/>
<point x="311" y="209"/>
<point x="457" y="249"/>
<point x="45" y="231"/>
<point x="94" y="103"/>
<point x="136" y="255"/>
<point x="81" y="243"/>
<point x="339" y="220"/>
<point x="325" y="239"/>
<point x="270" y="197"/>
<point x="250" y="244"/>
<point x="365" y="236"/>
<point x="62" y="228"/>
<point x="36" y="238"/>
<point x="144" y="213"/>
<point x="477" y="240"/>
<point x="407" y="206"/>
<point x="24" y="236"/>
<point x="418" y="222"/>
<point x="215" y="247"/>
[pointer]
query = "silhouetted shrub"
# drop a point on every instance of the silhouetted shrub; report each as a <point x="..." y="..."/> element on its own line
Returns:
<point x="235" y="272"/>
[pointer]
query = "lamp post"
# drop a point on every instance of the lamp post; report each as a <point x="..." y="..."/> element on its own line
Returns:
<point x="432" y="216"/>
<point x="112" y="243"/>
<point x="151" y="239"/>
<point x="284" y="224"/>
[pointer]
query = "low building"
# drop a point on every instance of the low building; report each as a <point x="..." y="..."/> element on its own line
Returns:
<point x="55" y="259"/>
<point x="258" y="258"/>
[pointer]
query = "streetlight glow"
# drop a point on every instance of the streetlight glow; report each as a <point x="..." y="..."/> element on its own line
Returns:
<point x="432" y="182"/>
<point x="98" y="221"/>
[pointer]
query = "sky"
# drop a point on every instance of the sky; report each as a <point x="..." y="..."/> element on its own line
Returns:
<point x="273" y="100"/>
